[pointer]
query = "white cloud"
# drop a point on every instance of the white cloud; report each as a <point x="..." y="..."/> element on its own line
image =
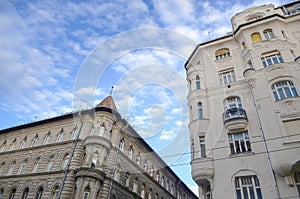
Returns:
<point x="167" y="135"/>
<point x="194" y="188"/>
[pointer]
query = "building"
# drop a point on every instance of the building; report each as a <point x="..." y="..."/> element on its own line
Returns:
<point x="245" y="109"/>
<point x="88" y="154"/>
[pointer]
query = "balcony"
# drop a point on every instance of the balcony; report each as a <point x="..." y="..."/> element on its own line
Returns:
<point x="235" y="119"/>
<point x="202" y="170"/>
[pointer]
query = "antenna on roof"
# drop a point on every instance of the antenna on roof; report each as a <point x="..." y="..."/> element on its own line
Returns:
<point x="208" y="35"/>
<point x="111" y="91"/>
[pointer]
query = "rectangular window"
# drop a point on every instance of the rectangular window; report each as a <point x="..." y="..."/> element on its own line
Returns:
<point x="202" y="146"/>
<point x="247" y="187"/>
<point x="85" y="195"/>
<point x="239" y="142"/>
<point x="271" y="60"/>
<point x="226" y="77"/>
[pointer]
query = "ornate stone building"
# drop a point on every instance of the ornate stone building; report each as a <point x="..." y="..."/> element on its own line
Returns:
<point x="245" y="107"/>
<point x="88" y="154"/>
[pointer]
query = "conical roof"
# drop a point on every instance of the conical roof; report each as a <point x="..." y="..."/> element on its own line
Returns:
<point x="108" y="102"/>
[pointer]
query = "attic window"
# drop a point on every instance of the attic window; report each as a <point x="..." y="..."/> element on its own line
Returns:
<point x="222" y="53"/>
<point x="255" y="17"/>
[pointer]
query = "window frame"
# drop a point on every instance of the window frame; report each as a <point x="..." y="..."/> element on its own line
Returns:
<point x="25" y="193"/>
<point x="222" y="53"/>
<point x="227" y="76"/>
<point x="249" y="185"/>
<point x="270" y="59"/>
<point x="269" y="34"/>
<point x="284" y="89"/>
<point x="198" y="83"/>
<point x="200" y="110"/>
<point x="239" y="142"/>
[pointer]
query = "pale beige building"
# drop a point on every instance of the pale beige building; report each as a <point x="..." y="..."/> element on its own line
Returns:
<point x="90" y="154"/>
<point x="245" y="107"/>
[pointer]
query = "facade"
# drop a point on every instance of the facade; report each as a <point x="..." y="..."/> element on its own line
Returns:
<point x="88" y="154"/>
<point x="245" y="107"/>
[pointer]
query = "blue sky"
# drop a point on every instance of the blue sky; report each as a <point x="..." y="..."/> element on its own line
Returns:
<point x="50" y="48"/>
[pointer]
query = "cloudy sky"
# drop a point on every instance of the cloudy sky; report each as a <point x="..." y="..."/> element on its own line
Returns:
<point x="59" y="56"/>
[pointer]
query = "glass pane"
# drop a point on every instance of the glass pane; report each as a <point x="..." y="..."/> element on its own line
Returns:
<point x="281" y="94"/>
<point x="258" y="192"/>
<point x="252" y="196"/>
<point x="295" y="94"/>
<point x="237" y="146"/>
<point x="269" y="61"/>
<point x="245" y="193"/>
<point x="275" y="61"/>
<point x="288" y="92"/>
<point x="238" y="194"/>
<point x="275" y="95"/>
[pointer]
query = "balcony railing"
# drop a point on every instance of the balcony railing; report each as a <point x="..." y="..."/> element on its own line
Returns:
<point x="233" y="114"/>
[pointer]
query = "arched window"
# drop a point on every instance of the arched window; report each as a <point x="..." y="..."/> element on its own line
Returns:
<point x="36" y="165"/>
<point x="25" y="193"/>
<point x="198" y="86"/>
<point x="12" y="145"/>
<point x="152" y="171"/>
<point x="143" y="191"/>
<point x="138" y="158"/>
<point x="65" y="161"/>
<point x="200" y="111"/>
<point x="271" y="58"/>
<point x="127" y="179"/>
<point x="269" y="34"/>
<point x="284" y="89"/>
<point x="297" y="180"/>
<point x="86" y="193"/>
<point x="150" y="194"/>
<point x="130" y="152"/>
<point x="121" y="145"/>
<point x="255" y="37"/>
<point x="55" y="191"/>
<point x="1" y="193"/>
<point x="222" y="53"/>
<point x="75" y="133"/>
<point x="50" y="163"/>
<point x="94" y="160"/>
<point x="23" y="142"/>
<point x="12" y="193"/>
<point x="172" y="189"/>
<point x="2" y="147"/>
<point x="34" y="141"/>
<point x="156" y="196"/>
<point x="23" y="167"/>
<point x="248" y="187"/>
<point x="47" y="138"/>
<point x="60" y="136"/>
<point x="157" y="176"/>
<point x="39" y="193"/>
<point x="11" y="168"/>
<point x="2" y="165"/>
<point x="101" y="130"/>
<point x="135" y="185"/>
<point x="117" y="173"/>
<point x="145" y="166"/>
<point x="232" y="102"/>
<point x="163" y="181"/>
<point x="167" y="185"/>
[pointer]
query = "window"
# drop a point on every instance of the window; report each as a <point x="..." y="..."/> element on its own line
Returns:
<point x="60" y="136"/>
<point x="130" y="152"/>
<point x="135" y="185"/>
<point x="3" y="146"/>
<point x="269" y="34"/>
<point x="25" y="193"/>
<point x="244" y="45"/>
<point x="198" y="86"/>
<point x="200" y="111"/>
<point x="163" y="181"/>
<point x="23" y="142"/>
<point x="192" y="150"/>
<point x="12" y="193"/>
<point x="138" y="158"/>
<point x="271" y="59"/>
<point x="55" y="192"/>
<point x="39" y="193"/>
<point x="12" y="145"/>
<point x="172" y="189"/>
<point x="34" y="141"/>
<point x="23" y="167"/>
<point x="101" y="130"/>
<point x="2" y="165"/>
<point x="143" y="191"/>
<point x="247" y="187"/>
<point x="222" y="53"/>
<point x="50" y="163"/>
<point x="127" y="179"/>
<point x="36" y="165"/>
<point x="239" y="142"/>
<point x="208" y="192"/>
<point x="65" y="161"/>
<point x="152" y="171"/>
<point x="157" y="176"/>
<point x="150" y="194"/>
<point x="11" y="168"/>
<point x="86" y="193"/>
<point x="47" y="138"/>
<point x="75" y="133"/>
<point x="232" y="102"/>
<point x="117" y="173"/>
<point x="255" y="37"/>
<point x="94" y="160"/>
<point x="1" y="193"/>
<point x="227" y="76"/>
<point x="297" y="180"/>
<point x="121" y="145"/>
<point x="202" y="146"/>
<point x="145" y="166"/>
<point x="284" y="89"/>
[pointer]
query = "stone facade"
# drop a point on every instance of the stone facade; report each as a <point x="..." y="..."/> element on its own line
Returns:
<point x="88" y="154"/>
<point x="245" y="107"/>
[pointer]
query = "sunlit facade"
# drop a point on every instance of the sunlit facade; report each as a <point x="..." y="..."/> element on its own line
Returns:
<point x="244" y="107"/>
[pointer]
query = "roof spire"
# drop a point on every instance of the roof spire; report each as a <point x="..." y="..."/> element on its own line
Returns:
<point x="111" y="91"/>
<point x="108" y="102"/>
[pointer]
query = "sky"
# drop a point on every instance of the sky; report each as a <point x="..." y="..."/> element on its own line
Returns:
<point x="61" y="56"/>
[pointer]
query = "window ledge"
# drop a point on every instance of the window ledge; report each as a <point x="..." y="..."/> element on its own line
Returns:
<point x="241" y="154"/>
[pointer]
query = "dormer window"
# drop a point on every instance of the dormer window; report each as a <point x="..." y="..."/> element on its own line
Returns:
<point x="255" y="37"/>
<point x="268" y="33"/>
<point x="222" y="53"/>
